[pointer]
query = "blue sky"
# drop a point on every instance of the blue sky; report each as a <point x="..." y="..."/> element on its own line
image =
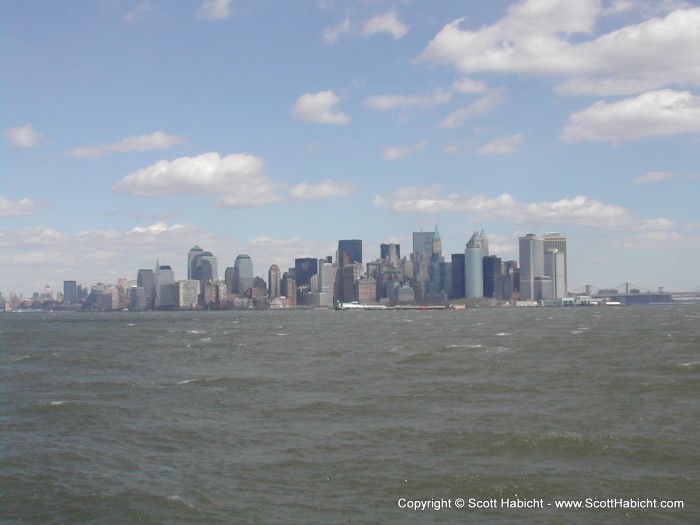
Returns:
<point x="135" y="129"/>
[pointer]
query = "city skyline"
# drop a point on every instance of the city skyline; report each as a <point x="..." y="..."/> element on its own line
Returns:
<point x="135" y="130"/>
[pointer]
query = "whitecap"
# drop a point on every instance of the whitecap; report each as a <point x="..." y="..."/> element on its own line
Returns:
<point x="182" y="500"/>
<point x="502" y="333"/>
<point x="14" y="359"/>
<point x="691" y="364"/>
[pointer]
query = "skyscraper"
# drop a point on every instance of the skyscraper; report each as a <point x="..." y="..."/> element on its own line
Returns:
<point x="493" y="277"/>
<point x="242" y="274"/>
<point x="476" y="250"/>
<point x="543" y="273"/>
<point x="422" y="243"/>
<point x="556" y="241"/>
<point x="166" y="289"/>
<point x="204" y="267"/>
<point x="349" y="252"/>
<point x="70" y="292"/>
<point x="193" y="253"/>
<point x="304" y="268"/>
<point x="274" y="280"/>
<point x="458" y="279"/>
<point x="531" y="249"/>
<point x="391" y="253"/>
<point x="145" y="278"/>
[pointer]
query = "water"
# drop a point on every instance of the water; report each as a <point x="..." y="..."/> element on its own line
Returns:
<point x="337" y="417"/>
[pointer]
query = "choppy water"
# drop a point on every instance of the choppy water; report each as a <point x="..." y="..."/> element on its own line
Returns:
<point x="334" y="417"/>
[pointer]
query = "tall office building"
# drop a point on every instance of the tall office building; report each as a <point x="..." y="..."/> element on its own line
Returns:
<point x="422" y="243"/>
<point x="204" y="267"/>
<point x="242" y="274"/>
<point x="304" y="268"/>
<point x="274" y="282"/>
<point x="70" y="292"/>
<point x="476" y="250"/>
<point x="349" y="252"/>
<point x="556" y="241"/>
<point x="137" y="299"/>
<point x="145" y="278"/>
<point x="228" y="279"/>
<point x="437" y="245"/>
<point x="458" y="281"/>
<point x="188" y="293"/>
<point x="391" y="253"/>
<point x="166" y="289"/>
<point x="493" y="277"/>
<point x="543" y="266"/>
<point x="193" y="253"/>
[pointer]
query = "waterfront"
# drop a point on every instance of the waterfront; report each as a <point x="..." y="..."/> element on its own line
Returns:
<point x="334" y="417"/>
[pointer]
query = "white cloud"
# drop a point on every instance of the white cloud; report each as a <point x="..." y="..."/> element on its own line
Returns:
<point x="268" y="250"/>
<point x="387" y="102"/>
<point x="19" y="208"/>
<point x="470" y="86"/>
<point x="385" y="23"/>
<point x="214" y="10"/>
<point x="237" y="179"/>
<point x="502" y="145"/>
<point x="92" y="256"/>
<point x="320" y="108"/>
<point x="141" y="10"/>
<point x="398" y="152"/>
<point x="332" y="34"/>
<point x="323" y="190"/>
<point x="657" y="113"/>
<point x="378" y="24"/>
<point x="653" y="176"/>
<point x="537" y="37"/>
<point x="23" y="137"/>
<point x="483" y="104"/>
<point x="580" y="210"/>
<point x="156" y="140"/>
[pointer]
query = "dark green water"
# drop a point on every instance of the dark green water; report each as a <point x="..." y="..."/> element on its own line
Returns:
<point x="337" y="417"/>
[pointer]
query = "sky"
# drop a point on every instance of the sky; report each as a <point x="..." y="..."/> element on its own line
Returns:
<point x="135" y="129"/>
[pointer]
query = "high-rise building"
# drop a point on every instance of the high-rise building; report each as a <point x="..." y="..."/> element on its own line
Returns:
<point x="191" y="256"/>
<point x="304" y="268"/>
<point x="188" y="296"/>
<point x="391" y="253"/>
<point x="166" y="289"/>
<point x="476" y="249"/>
<point x="493" y="277"/>
<point x="289" y="287"/>
<point x="437" y="245"/>
<point x="204" y="267"/>
<point x="274" y="279"/>
<point x="229" y="277"/>
<point x="70" y="292"/>
<point x="349" y="252"/>
<point x="145" y="278"/>
<point x="457" y="276"/>
<point x="422" y="243"/>
<point x="137" y="299"/>
<point x="543" y="266"/>
<point x="556" y="241"/>
<point x="242" y="274"/>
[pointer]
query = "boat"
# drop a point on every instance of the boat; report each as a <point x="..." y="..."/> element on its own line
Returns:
<point x="354" y="305"/>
